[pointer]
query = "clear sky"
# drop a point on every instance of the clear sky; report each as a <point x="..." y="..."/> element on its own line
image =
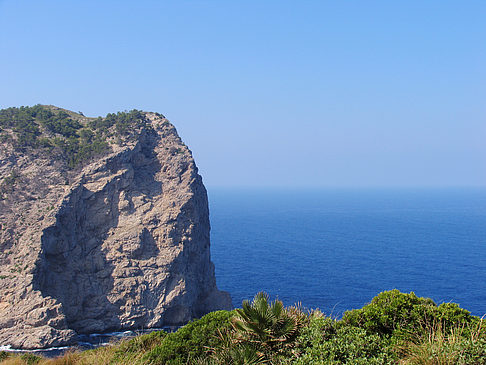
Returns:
<point x="271" y="93"/>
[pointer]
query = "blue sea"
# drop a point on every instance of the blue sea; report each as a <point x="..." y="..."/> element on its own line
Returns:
<point x="336" y="249"/>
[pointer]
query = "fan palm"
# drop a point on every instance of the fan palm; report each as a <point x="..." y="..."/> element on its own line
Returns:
<point x="229" y="352"/>
<point x="266" y="324"/>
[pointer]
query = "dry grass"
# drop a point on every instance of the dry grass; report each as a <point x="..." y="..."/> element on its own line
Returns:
<point x="13" y="361"/>
<point x="100" y="356"/>
<point x="441" y="347"/>
<point x="125" y="352"/>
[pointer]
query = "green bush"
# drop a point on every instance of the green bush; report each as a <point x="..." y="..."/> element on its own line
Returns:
<point x="30" y="359"/>
<point x="191" y="341"/>
<point x="395" y="313"/>
<point x="451" y="315"/>
<point x="327" y="341"/>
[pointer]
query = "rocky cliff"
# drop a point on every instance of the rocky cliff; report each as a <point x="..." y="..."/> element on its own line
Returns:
<point x="109" y="239"/>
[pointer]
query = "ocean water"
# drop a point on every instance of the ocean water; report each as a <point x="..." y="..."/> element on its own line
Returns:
<point x="336" y="249"/>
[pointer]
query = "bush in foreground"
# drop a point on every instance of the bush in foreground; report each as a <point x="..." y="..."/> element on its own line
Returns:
<point x="395" y="314"/>
<point x="328" y="341"/>
<point x="191" y="341"/>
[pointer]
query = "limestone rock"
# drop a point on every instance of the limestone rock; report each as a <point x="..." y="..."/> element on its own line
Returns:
<point x="122" y="243"/>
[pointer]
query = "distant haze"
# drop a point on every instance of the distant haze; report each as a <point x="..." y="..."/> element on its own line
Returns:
<point x="271" y="93"/>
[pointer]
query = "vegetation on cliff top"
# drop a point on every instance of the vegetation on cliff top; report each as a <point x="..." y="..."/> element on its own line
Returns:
<point x="395" y="328"/>
<point x="61" y="133"/>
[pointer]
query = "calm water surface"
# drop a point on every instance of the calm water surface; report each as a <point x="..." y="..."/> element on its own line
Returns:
<point x="337" y="249"/>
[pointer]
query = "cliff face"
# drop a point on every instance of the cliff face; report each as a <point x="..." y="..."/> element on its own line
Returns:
<point x="121" y="243"/>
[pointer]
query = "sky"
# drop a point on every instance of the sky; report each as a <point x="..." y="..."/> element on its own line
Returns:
<point x="271" y="93"/>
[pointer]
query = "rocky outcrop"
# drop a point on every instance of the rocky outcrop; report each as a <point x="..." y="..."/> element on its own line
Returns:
<point x="122" y="243"/>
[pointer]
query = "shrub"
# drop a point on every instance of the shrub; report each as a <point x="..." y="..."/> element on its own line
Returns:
<point x="395" y="313"/>
<point x="30" y="359"/>
<point x="190" y="341"/>
<point x="327" y="341"/>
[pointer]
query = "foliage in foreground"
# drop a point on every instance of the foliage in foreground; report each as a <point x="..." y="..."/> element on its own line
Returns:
<point x="394" y="328"/>
<point x="327" y="341"/>
<point x="191" y="341"/>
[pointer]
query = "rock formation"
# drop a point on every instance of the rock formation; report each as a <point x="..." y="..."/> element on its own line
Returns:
<point x="119" y="242"/>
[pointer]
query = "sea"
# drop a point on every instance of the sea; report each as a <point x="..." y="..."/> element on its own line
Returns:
<point x="335" y="249"/>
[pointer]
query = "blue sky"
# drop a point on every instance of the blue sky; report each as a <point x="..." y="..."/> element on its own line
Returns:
<point x="271" y="93"/>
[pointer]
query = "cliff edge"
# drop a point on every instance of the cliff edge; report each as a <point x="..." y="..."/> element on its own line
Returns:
<point x="104" y="225"/>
